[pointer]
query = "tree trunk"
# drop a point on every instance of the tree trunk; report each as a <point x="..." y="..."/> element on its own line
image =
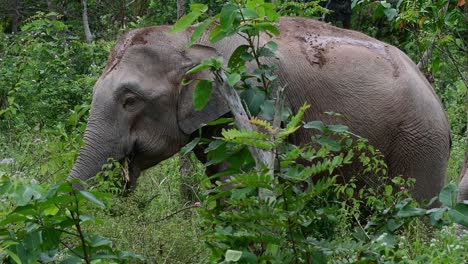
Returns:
<point x="52" y="9"/>
<point x="50" y="6"/>
<point x="87" y="31"/>
<point x="14" y="16"/>
<point x="180" y="8"/>
<point x="186" y="170"/>
<point x="262" y="157"/>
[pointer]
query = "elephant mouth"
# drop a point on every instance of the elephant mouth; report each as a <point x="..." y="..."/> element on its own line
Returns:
<point x="129" y="171"/>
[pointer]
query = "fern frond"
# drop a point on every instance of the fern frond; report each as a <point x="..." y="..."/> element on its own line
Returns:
<point x="297" y="119"/>
<point x="262" y="123"/>
<point x="252" y="179"/>
<point x="250" y="138"/>
<point x="231" y="134"/>
<point x="252" y="142"/>
<point x="287" y="131"/>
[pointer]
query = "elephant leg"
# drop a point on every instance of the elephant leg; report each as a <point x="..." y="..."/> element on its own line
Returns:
<point x="463" y="192"/>
<point x="421" y="159"/>
<point x="463" y="185"/>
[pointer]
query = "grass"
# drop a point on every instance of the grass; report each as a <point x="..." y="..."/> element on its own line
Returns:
<point x="144" y="221"/>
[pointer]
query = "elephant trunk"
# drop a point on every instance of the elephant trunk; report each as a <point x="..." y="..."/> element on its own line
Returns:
<point x="99" y="146"/>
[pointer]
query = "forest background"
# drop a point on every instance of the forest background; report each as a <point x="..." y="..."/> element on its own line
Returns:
<point x="52" y="52"/>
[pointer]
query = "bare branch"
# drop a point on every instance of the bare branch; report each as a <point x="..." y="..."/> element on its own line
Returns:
<point x="89" y="36"/>
<point x="261" y="157"/>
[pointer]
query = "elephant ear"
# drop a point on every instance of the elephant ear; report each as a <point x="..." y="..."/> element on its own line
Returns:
<point x="188" y="118"/>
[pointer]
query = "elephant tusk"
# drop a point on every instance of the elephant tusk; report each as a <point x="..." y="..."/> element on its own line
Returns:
<point x="125" y="172"/>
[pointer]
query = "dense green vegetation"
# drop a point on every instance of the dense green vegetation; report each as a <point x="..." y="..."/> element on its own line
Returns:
<point x="48" y="69"/>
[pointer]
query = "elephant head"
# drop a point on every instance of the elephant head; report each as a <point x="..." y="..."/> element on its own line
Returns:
<point x="139" y="109"/>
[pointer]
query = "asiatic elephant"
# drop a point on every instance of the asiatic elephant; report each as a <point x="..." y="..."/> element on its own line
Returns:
<point x="463" y="185"/>
<point x="140" y="109"/>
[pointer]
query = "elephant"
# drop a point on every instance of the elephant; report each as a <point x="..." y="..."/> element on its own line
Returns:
<point x="463" y="185"/>
<point x="141" y="110"/>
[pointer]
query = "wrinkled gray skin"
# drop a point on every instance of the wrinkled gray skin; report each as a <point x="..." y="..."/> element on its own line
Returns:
<point x="463" y="191"/>
<point x="463" y="187"/>
<point x="139" y="108"/>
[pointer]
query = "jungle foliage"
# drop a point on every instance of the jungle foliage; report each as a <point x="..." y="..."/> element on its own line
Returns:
<point x="46" y="76"/>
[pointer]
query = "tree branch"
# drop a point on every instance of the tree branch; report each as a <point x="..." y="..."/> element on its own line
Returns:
<point x="428" y="52"/>
<point x="87" y="31"/>
<point x="261" y="157"/>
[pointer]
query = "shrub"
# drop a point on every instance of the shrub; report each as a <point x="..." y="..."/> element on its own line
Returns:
<point x="45" y="73"/>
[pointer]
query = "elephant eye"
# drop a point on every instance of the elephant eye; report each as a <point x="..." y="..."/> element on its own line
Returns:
<point x="129" y="102"/>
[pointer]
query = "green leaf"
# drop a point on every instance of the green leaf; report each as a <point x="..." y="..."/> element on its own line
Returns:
<point x="459" y="214"/>
<point x="267" y="110"/>
<point x="202" y="94"/>
<point x="100" y="256"/>
<point x="198" y="68"/>
<point x="215" y="144"/>
<point x="246" y="137"/>
<point x="249" y="14"/>
<point x="338" y="128"/>
<point x="217" y="63"/>
<point x="409" y="211"/>
<point x="13" y="256"/>
<point x="296" y="120"/>
<point x="98" y="241"/>
<point x="253" y="98"/>
<point x="393" y="225"/>
<point x="73" y="259"/>
<point x="199" y="8"/>
<point x="273" y="46"/>
<point x="248" y="257"/>
<point x="218" y="33"/>
<point x="185" y="21"/>
<point x="315" y="125"/>
<point x="390" y="13"/>
<point x="448" y="195"/>
<point x="23" y="194"/>
<point x="197" y="33"/>
<point x="86" y="218"/>
<point x="186" y="82"/>
<point x="233" y="79"/>
<point x="233" y="255"/>
<point x="268" y="27"/>
<point x="319" y="257"/>
<point x="270" y="12"/>
<point x="244" y="134"/>
<point x="190" y="146"/>
<point x="236" y="60"/>
<point x="437" y="213"/>
<point x="89" y="196"/>
<point x="266" y="52"/>
<point x="13" y="218"/>
<point x="228" y="15"/>
<point x="51" y="210"/>
<point x="257" y="5"/>
<point x="220" y="121"/>
<point x="331" y="143"/>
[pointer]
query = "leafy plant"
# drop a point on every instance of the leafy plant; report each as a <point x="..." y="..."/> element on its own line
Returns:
<point x="43" y="77"/>
<point x="46" y="224"/>
<point x="289" y="213"/>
